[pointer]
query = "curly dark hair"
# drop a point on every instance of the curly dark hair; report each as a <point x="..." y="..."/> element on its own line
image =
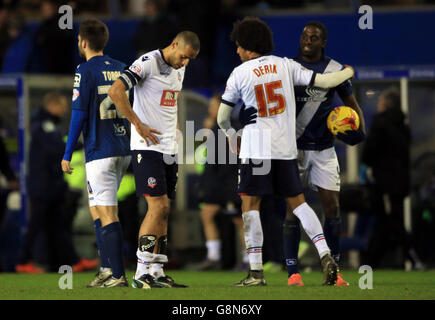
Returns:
<point x="253" y="34"/>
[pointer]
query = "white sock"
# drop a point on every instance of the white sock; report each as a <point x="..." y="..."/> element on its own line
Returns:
<point x="144" y="259"/>
<point x="245" y="257"/>
<point x="312" y="227"/>
<point x="156" y="270"/>
<point x="253" y="238"/>
<point x="213" y="250"/>
<point x="102" y="269"/>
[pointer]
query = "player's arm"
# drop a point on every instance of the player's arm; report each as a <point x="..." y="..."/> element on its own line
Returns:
<point x="333" y="79"/>
<point x="78" y="118"/>
<point x="80" y="103"/>
<point x="224" y="122"/>
<point x="119" y="97"/>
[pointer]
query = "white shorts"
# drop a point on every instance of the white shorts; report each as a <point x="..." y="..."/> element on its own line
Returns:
<point x="319" y="169"/>
<point x="104" y="177"/>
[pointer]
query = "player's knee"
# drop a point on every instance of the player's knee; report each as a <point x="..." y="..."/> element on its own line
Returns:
<point x="332" y="210"/>
<point x="164" y="208"/>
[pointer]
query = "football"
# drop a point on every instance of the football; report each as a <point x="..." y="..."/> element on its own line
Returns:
<point x="342" y="119"/>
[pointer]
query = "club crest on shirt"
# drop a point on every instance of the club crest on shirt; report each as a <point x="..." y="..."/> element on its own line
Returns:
<point x="152" y="182"/>
<point x="77" y="79"/>
<point x="139" y="158"/>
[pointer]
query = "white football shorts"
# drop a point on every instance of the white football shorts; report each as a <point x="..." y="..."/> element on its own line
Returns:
<point x="319" y="169"/>
<point x="103" y="179"/>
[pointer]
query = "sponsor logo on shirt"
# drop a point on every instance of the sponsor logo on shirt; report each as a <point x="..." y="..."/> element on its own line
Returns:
<point x="169" y="98"/>
<point x="136" y="69"/>
<point x="315" y="94"/>
<point x="119" y="129"/>
<point x="75" y="95"/>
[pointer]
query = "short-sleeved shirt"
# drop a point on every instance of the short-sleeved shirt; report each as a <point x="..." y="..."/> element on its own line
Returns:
<point x="105" y="131"/>
<point x="156" y="89"/>
<point x="266" y="83"/>
<point x="314" y="104"/>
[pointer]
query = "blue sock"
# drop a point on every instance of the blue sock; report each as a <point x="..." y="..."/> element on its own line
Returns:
<point x="292" y="237"/>
<point x="104" y="260"/>
<point x="332" y="230"/>
<point x="113" y="244"/>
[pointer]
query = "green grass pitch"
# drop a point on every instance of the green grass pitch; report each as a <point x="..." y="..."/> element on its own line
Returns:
<point x="387" y="284"/>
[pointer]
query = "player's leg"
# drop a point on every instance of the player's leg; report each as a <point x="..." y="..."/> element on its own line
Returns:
<point x="332" y="226"/>
<point x="155" y="181"/>
<point x="325" y="178"/>
<point x="103" y="181"/>
<point x="288" y="182"/>
<point x="105" y="270"/>
<point x="238" y="222"/>
<point x="212" y="237"/>
<point x="251" y="188"/>
<point x="292" y="229"/>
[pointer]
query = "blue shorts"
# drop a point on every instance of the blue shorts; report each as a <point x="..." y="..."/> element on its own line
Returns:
<point x="153" y="177"/>
<point x="282" y="179"/>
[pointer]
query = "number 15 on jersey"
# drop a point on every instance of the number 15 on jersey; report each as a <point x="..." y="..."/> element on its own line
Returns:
<point x="266" y="95"/>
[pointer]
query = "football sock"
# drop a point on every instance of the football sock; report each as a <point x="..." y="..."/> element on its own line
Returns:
<point x="145" y="255"/>
<point x="245" y="258"/>
<point x="144" y="259"/>
<point x="104" y="260"/>
<point x="253" y="238"/>
<point x="291" y="237"/>
<point x="113" y="244"/>
<point x="213" y="250"/>
<point x="156" y="270"/>
<point x="332" y="229"/>
<point x="312" y="227"/>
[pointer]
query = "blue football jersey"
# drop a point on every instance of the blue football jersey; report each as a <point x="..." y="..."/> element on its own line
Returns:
<point x="314" y="104"/>
<point x="105" y="131"/>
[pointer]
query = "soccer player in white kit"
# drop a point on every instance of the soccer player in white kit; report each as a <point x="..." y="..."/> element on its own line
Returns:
<point x="265" y="82"/>
<point x="157" y="78"/>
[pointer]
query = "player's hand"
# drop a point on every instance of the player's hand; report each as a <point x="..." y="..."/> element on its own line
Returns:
<point x="247" y="115"/>
<point x="351" y="137"/>
<point x="65" y="164"/>
<point x="234" y="142"/>
<point x="147" y="133"/>
<point x="351" y="68"/>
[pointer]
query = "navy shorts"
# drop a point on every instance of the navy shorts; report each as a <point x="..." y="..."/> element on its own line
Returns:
<point x="153" y="177"/>
<point x="282" y="179"/>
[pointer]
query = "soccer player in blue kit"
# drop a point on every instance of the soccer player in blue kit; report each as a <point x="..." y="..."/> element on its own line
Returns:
<point x="316" y="154"/>
<point x="107" y="147"/>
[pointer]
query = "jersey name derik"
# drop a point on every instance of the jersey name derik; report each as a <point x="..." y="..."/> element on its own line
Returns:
<point x="266" y="83"/>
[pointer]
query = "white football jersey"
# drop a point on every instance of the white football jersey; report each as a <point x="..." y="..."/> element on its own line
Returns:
<point x="156" y="89"/>
<point x="266" y="83"/>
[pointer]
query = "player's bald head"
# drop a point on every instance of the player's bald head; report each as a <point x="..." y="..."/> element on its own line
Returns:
<point x="188" y="38"/>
